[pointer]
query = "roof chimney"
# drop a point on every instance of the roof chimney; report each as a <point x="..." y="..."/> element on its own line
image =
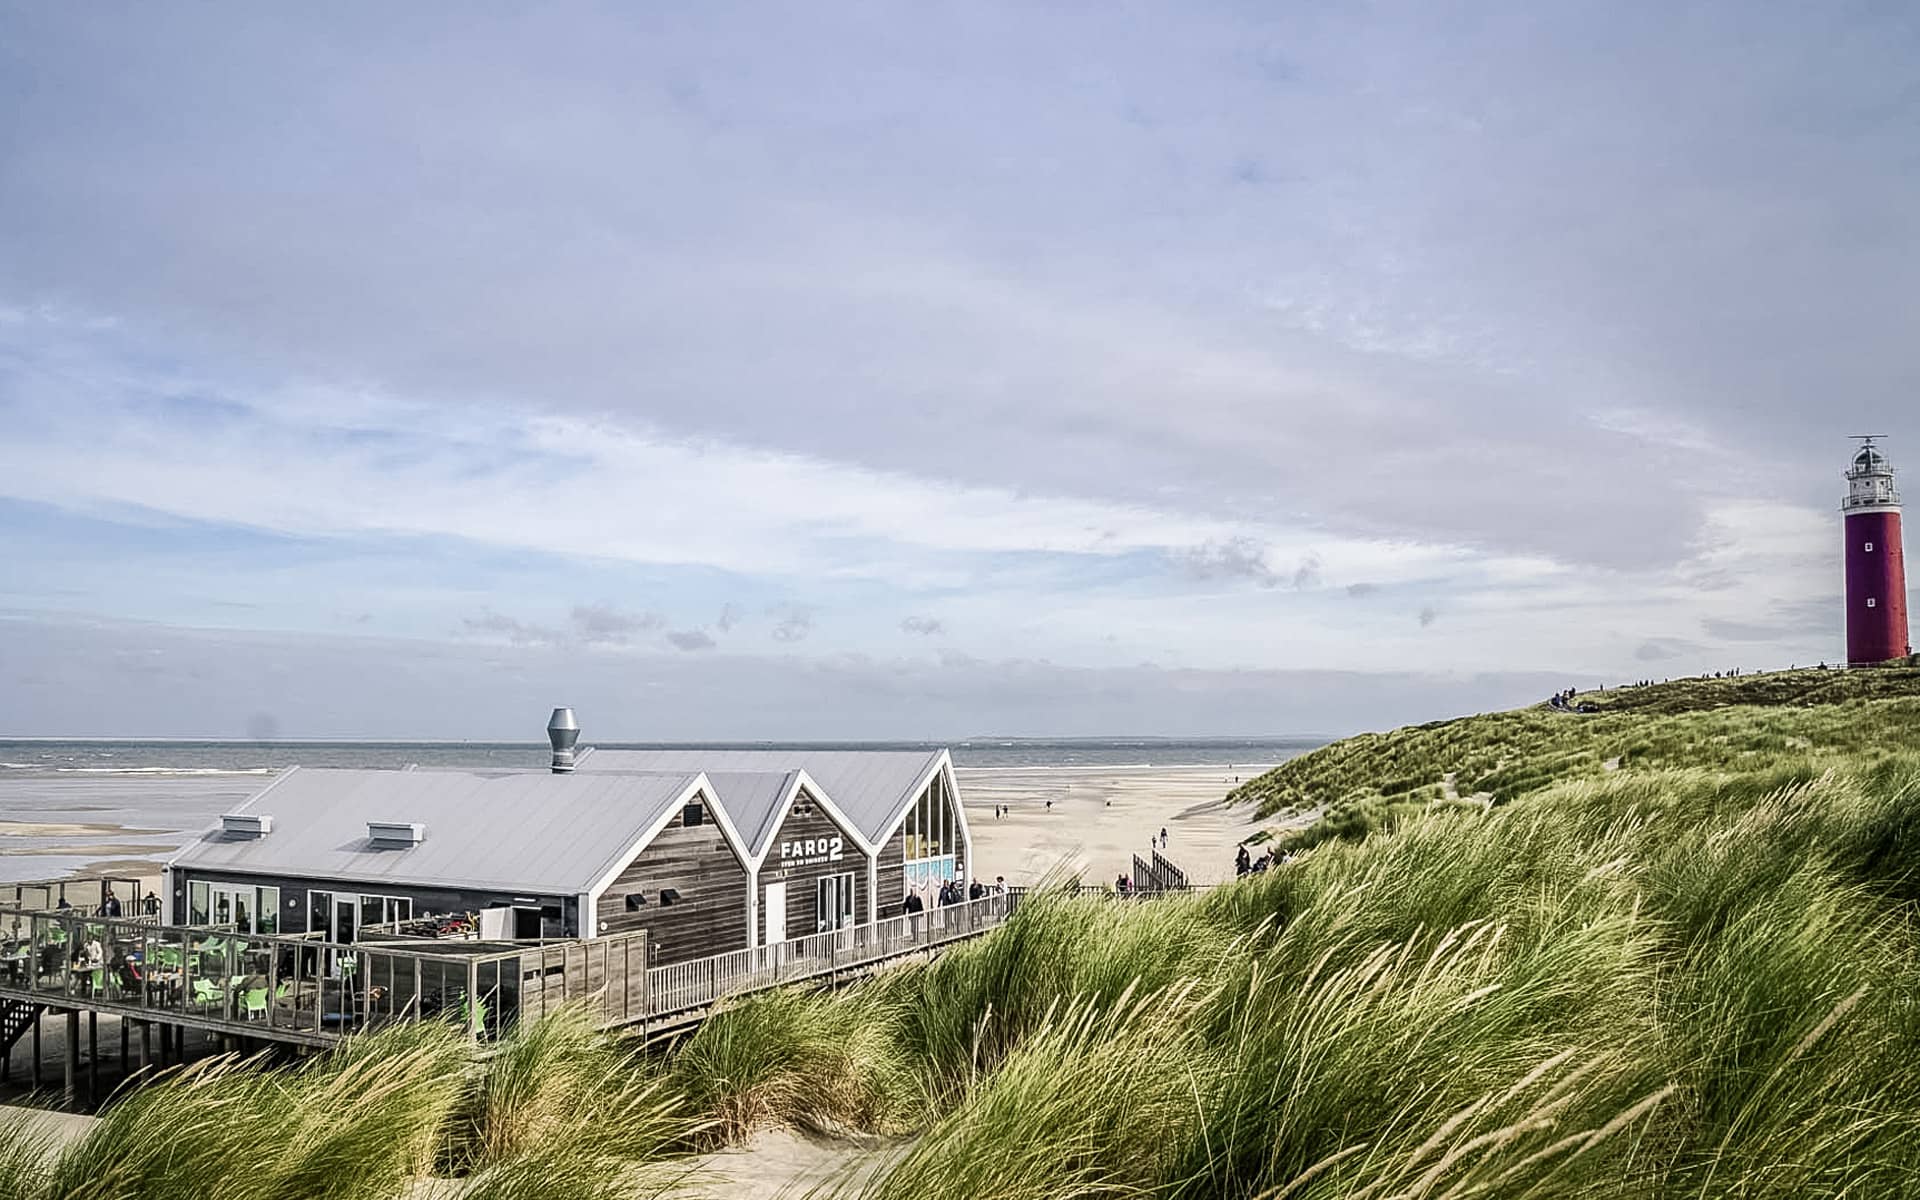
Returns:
<point x="563" y="731"/>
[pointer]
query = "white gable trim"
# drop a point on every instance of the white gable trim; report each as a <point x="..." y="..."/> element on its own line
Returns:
<point x="905" y="804"/>
<point x="700" y="786"/>
<point x="945" y="768"/>
<point x="803" y="780"/>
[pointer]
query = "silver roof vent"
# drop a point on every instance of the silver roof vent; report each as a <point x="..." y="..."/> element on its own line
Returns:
<point x="246" y="825"/>
<point x="563" y="731"/>
<point x="396" y="833"/>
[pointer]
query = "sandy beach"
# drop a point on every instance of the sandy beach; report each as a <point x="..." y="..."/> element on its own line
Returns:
<point x="1091" y="821"/>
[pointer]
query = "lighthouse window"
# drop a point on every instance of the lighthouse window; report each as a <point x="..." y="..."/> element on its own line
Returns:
<point x="1869" y="547"/>
<point x="1871" y="602"/>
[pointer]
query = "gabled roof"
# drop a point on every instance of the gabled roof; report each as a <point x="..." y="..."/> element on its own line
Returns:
<point x="755" y="800"/>
<point x="505" y="831"/>
<point x="872" y="787"/>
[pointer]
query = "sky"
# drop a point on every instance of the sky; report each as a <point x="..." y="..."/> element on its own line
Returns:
<point x="846" y="370"/>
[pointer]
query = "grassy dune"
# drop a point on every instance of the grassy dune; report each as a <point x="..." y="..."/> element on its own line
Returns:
<point x="1741" y="725"/>
<point x="1695" y="976"/>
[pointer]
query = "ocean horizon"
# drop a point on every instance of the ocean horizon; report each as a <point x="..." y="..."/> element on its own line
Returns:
<point x="28" y="757"/>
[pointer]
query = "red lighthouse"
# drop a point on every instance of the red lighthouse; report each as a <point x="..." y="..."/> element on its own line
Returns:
<point x="1876" y="567"/>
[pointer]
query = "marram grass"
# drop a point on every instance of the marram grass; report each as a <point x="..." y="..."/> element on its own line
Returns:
<point x="1697" y="975"/>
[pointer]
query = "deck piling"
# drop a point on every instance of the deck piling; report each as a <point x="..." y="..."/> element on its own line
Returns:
<point x="70" y="1089"/>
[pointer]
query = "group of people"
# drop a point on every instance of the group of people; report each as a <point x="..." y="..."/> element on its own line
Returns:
<point x="1564" y="702"/>
<point x="110" y="907"/>
<point x="1158" y="842"/>
<point x="1245" y="864"/>
<point x="953" y="892"/>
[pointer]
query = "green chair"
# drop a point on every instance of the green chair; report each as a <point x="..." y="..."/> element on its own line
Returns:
<point x="99" y="981"/>
<point x="213" y="945"/>
<point x="284" y="990"/>
<point x="206" y="994"/>
<point x="254" y="1003"/>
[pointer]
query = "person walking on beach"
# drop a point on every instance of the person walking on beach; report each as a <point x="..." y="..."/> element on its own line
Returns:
<point x="1163" y="837"/>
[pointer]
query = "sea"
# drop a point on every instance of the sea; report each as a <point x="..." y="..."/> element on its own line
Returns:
<point x="68" y="806"/>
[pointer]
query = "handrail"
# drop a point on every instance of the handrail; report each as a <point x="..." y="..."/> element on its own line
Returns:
<point x="700" y="982"/>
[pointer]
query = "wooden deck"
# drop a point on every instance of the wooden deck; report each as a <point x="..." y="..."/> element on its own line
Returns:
<point x="305" y="991"/>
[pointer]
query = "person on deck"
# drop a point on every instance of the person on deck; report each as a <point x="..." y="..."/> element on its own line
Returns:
<point x="112" y="907"/>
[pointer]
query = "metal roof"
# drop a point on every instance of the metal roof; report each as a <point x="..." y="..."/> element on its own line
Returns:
<point x="752" y="799"/>
<point x="505" y="831"/>
<point x="872" y="787"/>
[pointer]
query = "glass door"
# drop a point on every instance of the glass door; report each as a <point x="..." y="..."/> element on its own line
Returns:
<point x="833" y="903"/>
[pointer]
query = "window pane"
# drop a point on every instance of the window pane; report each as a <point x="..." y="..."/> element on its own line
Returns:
<point x="196" y="904"/>
<point x="266" y="916"/>
<point x="370" y="911"/>
<point x="319" y="912"/>
<point x="222" y="907"/>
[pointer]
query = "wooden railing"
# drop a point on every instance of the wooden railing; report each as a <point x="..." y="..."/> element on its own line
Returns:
<point x="683" y="987"/>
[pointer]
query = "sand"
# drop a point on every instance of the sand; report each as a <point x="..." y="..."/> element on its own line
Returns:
<point x="1100" y="817"/>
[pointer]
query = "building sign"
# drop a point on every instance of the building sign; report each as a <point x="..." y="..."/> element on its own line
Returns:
<point x="805" y="852"/>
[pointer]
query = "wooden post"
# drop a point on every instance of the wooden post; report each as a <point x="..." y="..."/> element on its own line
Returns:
<point x="93" y="1057"/>
<point x="124" y="1056"/>
<point x="146" y="1044"/>
<point x="70" y="1089"/>
<point x="36" y="1048"/>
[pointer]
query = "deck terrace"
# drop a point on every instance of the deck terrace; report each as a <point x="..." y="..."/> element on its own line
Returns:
<point x="303" y="990"/>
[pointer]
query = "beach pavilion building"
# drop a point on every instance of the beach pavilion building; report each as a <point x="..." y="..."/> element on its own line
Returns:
<point x="708" y="851"/>
<point x="848" y="834"/>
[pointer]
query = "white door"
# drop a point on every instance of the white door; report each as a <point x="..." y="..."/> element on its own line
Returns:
<point x="773" y="910"/>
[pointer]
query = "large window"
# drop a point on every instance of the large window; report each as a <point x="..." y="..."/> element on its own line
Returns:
<point x="340" y="915"/>
<point x="241" y="906"/>
<point x="930" y="837"/>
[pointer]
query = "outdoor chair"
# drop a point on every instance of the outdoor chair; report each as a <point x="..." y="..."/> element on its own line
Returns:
<point x="206" y="994"/>
<point x="254" y="1003"/>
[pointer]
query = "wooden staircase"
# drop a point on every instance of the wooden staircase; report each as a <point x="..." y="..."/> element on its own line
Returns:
<point x="16" y="1017"/>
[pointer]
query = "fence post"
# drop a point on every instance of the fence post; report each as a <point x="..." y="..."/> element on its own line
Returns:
<point x="473" y="999"/>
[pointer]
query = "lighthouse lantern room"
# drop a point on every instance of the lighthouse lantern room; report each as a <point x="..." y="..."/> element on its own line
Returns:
<point x="1876" y="567"/>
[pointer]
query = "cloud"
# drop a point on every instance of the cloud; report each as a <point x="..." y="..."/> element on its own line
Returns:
<point x="691" y="639"/>
<point x="1307" y="573"/>
<point x="924" y="626"/>
<point x="1428" y="616"/>
<point x="730" y="615"/>
<point x="1746" y="631"/>
<point x="1245" y="558"/>
<point x="208" y="684"/>
<point x="520" y="633"/>
<point x="602" y="623"/>
<point x="1359" y="590"/>
<point x="792" y="622"/>
<point x="1234" y="558"/>
<point x="1662" y="649"/>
